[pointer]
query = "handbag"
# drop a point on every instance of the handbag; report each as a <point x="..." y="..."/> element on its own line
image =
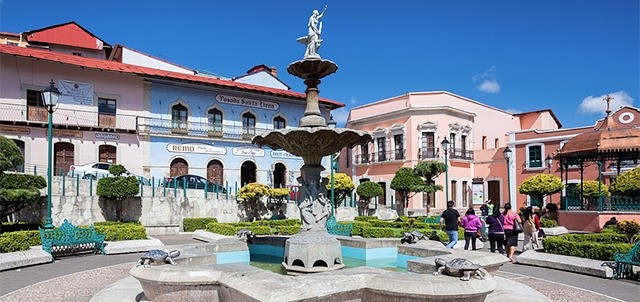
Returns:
<point x="517" y="226"/>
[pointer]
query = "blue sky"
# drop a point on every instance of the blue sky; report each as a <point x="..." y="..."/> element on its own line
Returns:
<point x="514" y="55"/>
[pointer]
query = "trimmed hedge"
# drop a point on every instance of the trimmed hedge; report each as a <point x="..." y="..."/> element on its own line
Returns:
<point x="365" y="218"/>
<point x="18" y="241"/>
<point x="358" y="226"/>
<point x="229" y="229"/>
<point x="548" y="223"/>
<point x="373" y="232"/>
<point x="119" y="231"/>
<point x="284" y="222"/>
<point x="592" y="246"/>
<point x="20" y="226"/>
<point x="192" y="224"/>
<point x="287" y="229"/>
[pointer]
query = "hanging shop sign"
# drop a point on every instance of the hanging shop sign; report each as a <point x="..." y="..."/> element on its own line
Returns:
<point x="14" y="130"/>
<point x="196" y="148"/>
<point x="64" y="133"/>
<point x="283" y="154"/>
<point x="108" y="136"/>
<point x="73" y="92"/>
<point x="234" y="100"/>
<point x="248" y="151"/>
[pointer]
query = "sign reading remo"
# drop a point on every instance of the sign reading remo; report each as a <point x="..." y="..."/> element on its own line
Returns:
<point x="196" y="148"/>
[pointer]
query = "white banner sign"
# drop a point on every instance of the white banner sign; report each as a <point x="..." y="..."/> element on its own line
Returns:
<point x="196" y="148"/>
<point x="247" y="102"/>
<point x="77" y="93"/>
<point x="283" y="154"/>
<point x="478" y="193"/>
<point x="248" y="151"/>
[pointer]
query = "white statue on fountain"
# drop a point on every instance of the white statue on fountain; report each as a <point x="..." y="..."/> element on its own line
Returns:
<point x="313" y="40"/>
<point x="315" y="208"/>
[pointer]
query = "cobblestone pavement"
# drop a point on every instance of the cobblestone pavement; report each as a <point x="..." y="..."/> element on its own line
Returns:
<point x="81" y="286"/>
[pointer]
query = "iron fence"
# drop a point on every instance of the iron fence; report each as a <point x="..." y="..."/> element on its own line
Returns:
<point x="604" y="203"/>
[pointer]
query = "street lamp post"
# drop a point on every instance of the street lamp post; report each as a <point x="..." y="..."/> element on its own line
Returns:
<point x="332" y="124"/>
<point x="549" y="162"/>
<point x="445" y="148"/>
<point x="50" y="98"/>
<point x="507" y="156"/>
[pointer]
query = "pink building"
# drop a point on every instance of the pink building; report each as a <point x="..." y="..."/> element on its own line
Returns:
<point x="410" y="128"/>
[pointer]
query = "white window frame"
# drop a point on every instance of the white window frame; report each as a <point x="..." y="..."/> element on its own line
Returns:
<point x="542" y="152"/>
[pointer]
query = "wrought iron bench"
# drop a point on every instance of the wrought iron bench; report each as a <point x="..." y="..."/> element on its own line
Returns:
<point x="335" y="228"/>
<point x="433" y="219"/>
<point x="626" y="261"/>
<point x="68" y="236"/>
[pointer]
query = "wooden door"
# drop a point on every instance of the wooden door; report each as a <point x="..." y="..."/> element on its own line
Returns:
<point x="279" y="179"/>
<point x="107" y="154"/>
<point x="247" y="173"/>
<point x="215" y="172"/>
<point x="494" y="191"/>
<point x="63" y="153"/>
<point x="179" y="167"/>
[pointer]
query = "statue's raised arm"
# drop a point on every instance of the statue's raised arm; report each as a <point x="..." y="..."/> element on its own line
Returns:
<point x="313" y="40"/>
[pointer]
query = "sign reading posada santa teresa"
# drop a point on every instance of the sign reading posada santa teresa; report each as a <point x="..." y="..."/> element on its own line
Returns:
<point x="196" y="148"/>
<point x="234" y="100"/>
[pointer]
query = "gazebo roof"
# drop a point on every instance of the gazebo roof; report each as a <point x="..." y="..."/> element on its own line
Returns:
<point x="612" y="138"/>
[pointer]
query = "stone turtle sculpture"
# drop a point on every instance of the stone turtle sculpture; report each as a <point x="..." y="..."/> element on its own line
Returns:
<point x="458" y="267"/>
<point x="158" y="256"/>
<point x="412" y="237"/>
<point x="246" y="235"/>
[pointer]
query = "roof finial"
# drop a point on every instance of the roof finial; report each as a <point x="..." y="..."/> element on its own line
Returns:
<point x="608" y="99"/>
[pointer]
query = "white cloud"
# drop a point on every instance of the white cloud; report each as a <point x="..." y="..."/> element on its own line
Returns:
<point x="513" y="110"/>
<point x="340" y="115"/>
<point x="488" y="81"/>
<point x="596" y="104"/>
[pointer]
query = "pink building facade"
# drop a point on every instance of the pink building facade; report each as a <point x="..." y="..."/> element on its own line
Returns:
<point x="409" y="128"/>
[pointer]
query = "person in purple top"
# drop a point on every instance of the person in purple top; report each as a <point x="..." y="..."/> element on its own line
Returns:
<point x="496" y="231"/>
<point x="471" y="224"/>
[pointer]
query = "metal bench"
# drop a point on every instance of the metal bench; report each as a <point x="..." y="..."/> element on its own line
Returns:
<point x="433" y="219"/>
<point x="626" y="261"/>
<point x="334" y="228"/>
<point x="68" y="236"/>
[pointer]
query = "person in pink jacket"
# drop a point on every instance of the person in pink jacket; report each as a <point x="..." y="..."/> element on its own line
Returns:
<point x="471" y="224"/>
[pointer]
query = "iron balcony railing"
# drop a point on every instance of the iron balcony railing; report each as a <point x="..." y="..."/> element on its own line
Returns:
<point x="381" y="156"/>
<point x="604" y="203"/>
<point x="427" y="153"/>
<point x="460" y="153"/>
<point x="18" y="113"/>
<point x="151" y="126"/>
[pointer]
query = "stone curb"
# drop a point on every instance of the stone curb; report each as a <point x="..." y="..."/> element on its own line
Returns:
<point x="32" y="256"/>
<point x="566" y="263"/>
<point x="35" y="255"/>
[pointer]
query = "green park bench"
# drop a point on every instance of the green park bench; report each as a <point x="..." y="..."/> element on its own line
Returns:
<point x="432" y="219"/>
<point x="335" y="228"/>
<point x="69" y="237"/>
<point x="626" y="261"/>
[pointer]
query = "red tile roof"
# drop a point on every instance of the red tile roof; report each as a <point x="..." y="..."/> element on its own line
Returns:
<point x="105" y="65"/>
<point x="67" y="34"/>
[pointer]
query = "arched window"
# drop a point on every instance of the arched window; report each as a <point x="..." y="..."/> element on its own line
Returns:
<point x="279" y="123"/>
<point x="107" y="154"/>
<point x="215" y="120"/>
<point x="179" y="166"/>
<point x="179" y="115"/>
<point x="248" y="124"/>
<point x="64" y="153"/>
<point x="279" y="179"/>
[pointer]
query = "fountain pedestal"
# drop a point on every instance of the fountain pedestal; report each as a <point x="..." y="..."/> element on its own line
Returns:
<point x="312" y="252"/>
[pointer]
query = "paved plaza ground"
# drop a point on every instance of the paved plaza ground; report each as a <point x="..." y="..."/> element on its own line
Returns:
<point x="78" y="278"/>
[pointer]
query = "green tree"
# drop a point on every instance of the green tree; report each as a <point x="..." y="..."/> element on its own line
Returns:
<point x="407" y="184"/>
<point x="250" y="196"/>
<point x="278" y="195"/>
<point x="589" y="188"/>
<point x="366" y="191"/>
<point x="627" y="184"/>
<point x="429" y="171"/>
<point x="117" y="188"/>
<point x="541" y="185"/>
<point x="342" y="187"/>
<point x="17" y="191"/>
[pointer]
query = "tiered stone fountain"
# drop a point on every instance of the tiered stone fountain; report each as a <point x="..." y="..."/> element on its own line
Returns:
<point x="313" y="249"/>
